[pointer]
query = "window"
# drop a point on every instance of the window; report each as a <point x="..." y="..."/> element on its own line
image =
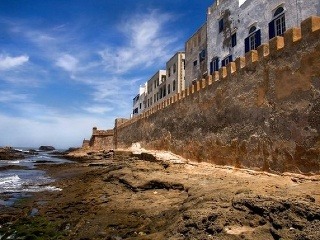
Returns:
<point x="140" y="105"/>
<point x="174" y="68"/>
<point x="154" y="98"/>
<point x="163" y="78"/>
<point x="277" y="26"/>
<point x="195" y="63"/>
<point x="169" y="72"/>
<point x="221" y="25"/>
<point x="184" y="63"/>
<point x="280" y="25"/>
<point x="252" y="29"/>
<point x="135" y="111"/>
<point x="169" y="89"/>
<point x="202" y="55"/>
<point x="164" y="91"/>
<point x="227" y="60"/>
<point x="233" y="39"/>
<point x="214" y="65"/>
<point x="174" y="85"/>
<point x="253" y="40"/>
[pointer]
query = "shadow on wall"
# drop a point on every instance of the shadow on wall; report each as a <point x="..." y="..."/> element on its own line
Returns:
<point x="259" y="112"/>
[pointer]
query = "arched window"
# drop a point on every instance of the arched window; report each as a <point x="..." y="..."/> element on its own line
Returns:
<point x="253" y="40"/>
<point x="277" y="26"/>
<point x="278" y="11"/>
<point x="252" y="29"/>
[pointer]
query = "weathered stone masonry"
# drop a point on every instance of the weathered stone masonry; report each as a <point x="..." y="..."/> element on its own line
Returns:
<point x="100" y="140"/>
<point x="261" y="111"/>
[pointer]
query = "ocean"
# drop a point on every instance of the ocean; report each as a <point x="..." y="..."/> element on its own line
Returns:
<point x="20" y="177"/>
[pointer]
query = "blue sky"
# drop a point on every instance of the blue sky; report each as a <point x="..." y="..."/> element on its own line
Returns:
<point x="69" y="65"/>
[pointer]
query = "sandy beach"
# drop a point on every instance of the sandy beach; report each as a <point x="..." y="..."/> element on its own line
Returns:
<point x="158" y="195"/>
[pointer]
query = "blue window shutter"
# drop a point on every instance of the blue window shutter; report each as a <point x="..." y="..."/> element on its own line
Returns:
<point x="221" y="25"/>
<point x="211" y="67"/>
<point x="234" y="40"/>
<point x="258" y="38"/>
<point x="223" y="63"/>
<point x="230" y="59"/>
<point x="217" y="64"/>
<point x="272" y="33"/>
<point x="246" y="45"/>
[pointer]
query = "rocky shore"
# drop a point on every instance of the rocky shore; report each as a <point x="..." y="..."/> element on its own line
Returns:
<point x="158" y="195"/>
<point x="8" y="153"/>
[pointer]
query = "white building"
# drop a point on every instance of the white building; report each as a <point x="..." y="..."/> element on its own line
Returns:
<point x="138" y="101"/>
<point x="235" y="27"/>
<point x="162" y="85"/>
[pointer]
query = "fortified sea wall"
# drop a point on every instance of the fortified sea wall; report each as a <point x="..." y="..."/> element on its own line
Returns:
<point x="261" y="111"/>
<point x="100" y="140"/>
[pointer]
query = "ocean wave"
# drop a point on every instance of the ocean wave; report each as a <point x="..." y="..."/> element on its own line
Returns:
<point x="9" y="180"/>
<point x="41" y="189"/>
<point x="31" y="189"/>
<point x="4" y="162"/>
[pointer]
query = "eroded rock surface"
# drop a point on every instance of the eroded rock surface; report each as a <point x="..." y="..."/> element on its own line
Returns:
<point x="125" y="197"/>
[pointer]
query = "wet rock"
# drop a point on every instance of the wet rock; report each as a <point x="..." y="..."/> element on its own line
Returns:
<point x="13" y="167"/>
<point x="8" y="153"/>
<point x="46" y="148"/>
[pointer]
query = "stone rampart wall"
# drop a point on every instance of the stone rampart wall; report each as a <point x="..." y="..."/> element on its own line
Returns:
<point x="103" y="132"/>
<point x="100" y="140"/>
<point x="261" y="111"/>
<point x="86" y="143"/>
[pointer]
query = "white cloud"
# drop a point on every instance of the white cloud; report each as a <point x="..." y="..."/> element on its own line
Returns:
<point x="61" y="132"/>
<point x="68" y="62"/>
<point x="147" y="43"/>
<point x="9" y="97"/>
<point x="7" y="62"/>
<point x="98" y="109"/>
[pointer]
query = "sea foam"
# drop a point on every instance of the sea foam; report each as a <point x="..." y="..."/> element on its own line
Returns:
<point x="9" y="180"/>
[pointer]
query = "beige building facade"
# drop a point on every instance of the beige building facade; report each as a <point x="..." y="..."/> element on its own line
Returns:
<point x="162" y="85"/>
<point x="156" y="89"/>
<point x="196" y="56"/>
<point x="175" y="81"/>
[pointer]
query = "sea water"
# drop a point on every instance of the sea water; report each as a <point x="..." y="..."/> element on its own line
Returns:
<point x="20" y="177"/>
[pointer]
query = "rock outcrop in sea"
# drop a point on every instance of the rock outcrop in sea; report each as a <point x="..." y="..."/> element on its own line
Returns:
<point x="8" y="153"/>
<point x="46" y="148"/>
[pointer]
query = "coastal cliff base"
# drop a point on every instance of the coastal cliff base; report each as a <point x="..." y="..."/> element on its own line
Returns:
<point x="161" y="196"/>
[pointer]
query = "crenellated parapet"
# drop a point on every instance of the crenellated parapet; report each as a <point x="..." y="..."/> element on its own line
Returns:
<point x="96" y="132"/>
<point x="100" y="139"/>
<point x="85" y="143"/>
<point x="261" y="111"/>
<point x="310" y="28"/>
